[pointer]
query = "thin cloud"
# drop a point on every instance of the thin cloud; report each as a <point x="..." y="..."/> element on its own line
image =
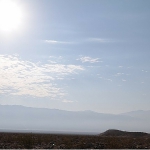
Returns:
<point x="88" y="59"/>
<point x="100" y="40"/>
<point x="67" y="101"/>
<point x="124" y="80"/>
<point x="119" y="74"/>
<point x="96" y="40"/>
<point x="120" y="66"/>
<point x="109" y="80"/>
<point x="20" y="77"/>
<point x="61" y="69"/>
<point x="57" y="42"/>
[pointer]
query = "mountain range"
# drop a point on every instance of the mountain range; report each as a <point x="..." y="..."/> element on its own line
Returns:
<point x="20" y="118"/>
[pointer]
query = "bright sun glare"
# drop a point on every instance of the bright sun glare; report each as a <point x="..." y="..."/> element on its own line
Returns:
<point x="10" y="15"/>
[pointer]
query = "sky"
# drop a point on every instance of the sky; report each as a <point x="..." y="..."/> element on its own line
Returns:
<point x="76" y="55"/>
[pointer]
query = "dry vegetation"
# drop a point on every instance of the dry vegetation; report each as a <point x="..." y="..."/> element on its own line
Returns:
<point x="52" y="141"/>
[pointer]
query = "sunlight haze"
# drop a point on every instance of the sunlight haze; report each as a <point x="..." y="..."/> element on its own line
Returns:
<point x="75" y="55"/>
<point x="10" y="15"/>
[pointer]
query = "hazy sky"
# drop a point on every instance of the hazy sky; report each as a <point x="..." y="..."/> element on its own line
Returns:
<point x="77" y="55"/>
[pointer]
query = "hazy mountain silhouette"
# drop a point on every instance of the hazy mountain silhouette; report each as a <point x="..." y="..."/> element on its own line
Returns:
<point x="138" y="114"/>
<point x="27" y="118"/>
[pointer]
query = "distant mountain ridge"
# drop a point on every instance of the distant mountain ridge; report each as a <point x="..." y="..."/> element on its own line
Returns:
<point x="138" y="113"/>
<point x="43" y="119"/>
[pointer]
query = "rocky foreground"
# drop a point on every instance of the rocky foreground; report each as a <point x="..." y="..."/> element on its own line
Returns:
<point x="111" y="139"/>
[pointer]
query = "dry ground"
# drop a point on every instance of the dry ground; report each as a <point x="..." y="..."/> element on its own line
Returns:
<point x="53" y="141"/>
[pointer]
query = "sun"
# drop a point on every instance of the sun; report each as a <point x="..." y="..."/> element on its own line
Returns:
<point x="10" y="15"/>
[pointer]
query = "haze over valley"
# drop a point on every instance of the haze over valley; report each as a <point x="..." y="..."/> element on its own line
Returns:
<point x="28" y="119"/>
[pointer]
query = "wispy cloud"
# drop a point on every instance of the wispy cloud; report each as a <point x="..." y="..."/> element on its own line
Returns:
<point x="57" y="42"/>
<point x="124" y="80"/>
<point x="61" y="69"/>
<point x="19" y="77"/>
<point x="96" y="40"/>
<point x="100" y="40"/>
<point x="119" y="74"/>
<point x="120" y="66"/>
<point x="67" y="101"/>
<point x="109" y="80"/>
<point x="88" y="59"/>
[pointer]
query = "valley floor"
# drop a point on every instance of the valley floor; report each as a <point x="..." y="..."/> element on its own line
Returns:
<point x="53" y="141"/>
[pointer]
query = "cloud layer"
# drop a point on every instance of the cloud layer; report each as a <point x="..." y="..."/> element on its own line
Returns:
<point x="19" y="77"/>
